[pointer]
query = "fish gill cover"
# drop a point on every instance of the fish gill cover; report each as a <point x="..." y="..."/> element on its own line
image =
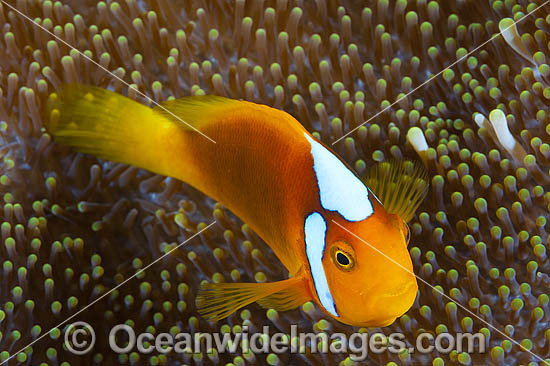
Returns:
<point x="74" y="227"/>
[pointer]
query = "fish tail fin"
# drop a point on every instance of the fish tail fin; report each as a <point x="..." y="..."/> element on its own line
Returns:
<point x="216" y="301"/>
<point x="111" y="126"/>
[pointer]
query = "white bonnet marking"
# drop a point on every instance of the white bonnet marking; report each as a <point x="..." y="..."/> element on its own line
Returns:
<point x="340" y="190"/>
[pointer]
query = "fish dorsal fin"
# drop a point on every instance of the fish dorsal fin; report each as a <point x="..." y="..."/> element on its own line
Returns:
<point x="401" y="186"/>
<point x="198" y="110"/>
<point x="216" y="301"/>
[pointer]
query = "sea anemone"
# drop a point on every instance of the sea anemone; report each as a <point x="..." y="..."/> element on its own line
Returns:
<point x="74" y="227"/>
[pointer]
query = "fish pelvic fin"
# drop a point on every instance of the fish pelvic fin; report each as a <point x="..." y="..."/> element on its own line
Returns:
<point x="401" y="186"/>
<point x="111" y="126"/>
<point x="294" y="294"/>
<point x="216" y="301"/>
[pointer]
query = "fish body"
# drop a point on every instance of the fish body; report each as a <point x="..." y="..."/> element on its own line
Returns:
<point x="296" y="194"/>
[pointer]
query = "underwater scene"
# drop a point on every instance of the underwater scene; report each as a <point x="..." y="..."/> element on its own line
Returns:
<point x="274" y="182"/>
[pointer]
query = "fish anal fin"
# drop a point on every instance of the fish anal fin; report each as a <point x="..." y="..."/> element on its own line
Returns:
<point x="401" y="186"/>
<point x="216" y="301"/>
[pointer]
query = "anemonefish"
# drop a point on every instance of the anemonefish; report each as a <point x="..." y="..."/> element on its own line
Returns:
<point x="297" y="195"/>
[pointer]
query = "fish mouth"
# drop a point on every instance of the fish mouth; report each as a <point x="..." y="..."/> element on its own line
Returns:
<point x="378" y="323"/>
<point x="399" y="291"/>
<point x="387" y="322"/>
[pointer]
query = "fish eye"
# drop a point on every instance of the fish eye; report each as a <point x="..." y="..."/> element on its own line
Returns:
<point x="342" y="259"/>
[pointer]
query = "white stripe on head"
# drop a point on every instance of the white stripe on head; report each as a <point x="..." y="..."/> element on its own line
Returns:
<point x="340" y="190"/>
<point x="315" y="229"/>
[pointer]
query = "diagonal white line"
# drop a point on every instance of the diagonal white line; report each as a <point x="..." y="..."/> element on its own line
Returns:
<point x="108" y="292"/>
<point x="441" y="72"/>
<point x="445" y="295"/>
<point x="104" y="69"/>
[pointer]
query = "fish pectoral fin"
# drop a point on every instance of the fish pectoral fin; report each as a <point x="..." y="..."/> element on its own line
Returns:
<point x="216" y="301"/>
<point x="401" y="186"/>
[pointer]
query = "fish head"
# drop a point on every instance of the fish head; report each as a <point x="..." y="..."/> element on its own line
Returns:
<point x="356" y="249"/>
<point x="368" y="270"/>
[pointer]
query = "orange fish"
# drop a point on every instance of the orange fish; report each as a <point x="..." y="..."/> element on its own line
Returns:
<point x="301" y="199"/>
